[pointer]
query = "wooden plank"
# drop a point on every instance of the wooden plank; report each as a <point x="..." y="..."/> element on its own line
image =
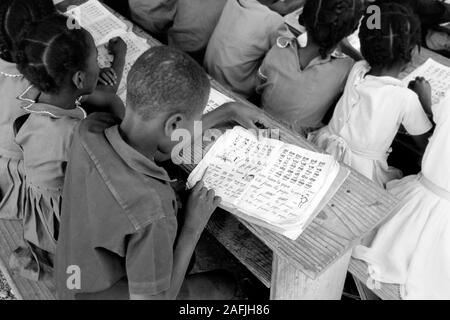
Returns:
<point x="289" y="283"/>
<point x="10" y="238"/>
<point x="358" y="269"/>
<point x="242" y="244"/>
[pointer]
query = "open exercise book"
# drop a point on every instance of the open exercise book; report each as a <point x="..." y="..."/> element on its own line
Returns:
<point x="273" y="184"/>
<point x="437" y="74"/>
<point x="103" y="26"/>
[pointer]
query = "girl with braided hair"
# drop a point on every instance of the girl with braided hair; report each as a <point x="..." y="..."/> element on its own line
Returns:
<point x="375" y="103"/>
<point x="61" y="64"/>
<point x="14" y="15"/>
<point x="300" y="84"/>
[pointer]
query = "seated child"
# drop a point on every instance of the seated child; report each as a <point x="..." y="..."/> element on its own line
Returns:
<point x="155" y="16"/>
<point x="300" y="84"/>
<point x="61" y="64"/>
<point x="375" y="102"/>
<point x="131" y="248"/>
<point x="13" y="15"/>
<point x="412" y="248"/>
<point x="246" y="31"/>
<point x="194" y="23"/>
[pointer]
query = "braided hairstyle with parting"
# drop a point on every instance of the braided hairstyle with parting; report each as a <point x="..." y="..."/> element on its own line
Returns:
<point x="15" y="16"/>
<point x="49" y="52"/>
<point x="329" y="21"/>
<point x="394" y="42"/>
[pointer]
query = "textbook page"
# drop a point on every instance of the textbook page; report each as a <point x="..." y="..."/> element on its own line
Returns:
<point x="216" y="99"/>
<point x="99" y="21"/>
<point x="437" y="74"/>
<point x="267" y="182"/>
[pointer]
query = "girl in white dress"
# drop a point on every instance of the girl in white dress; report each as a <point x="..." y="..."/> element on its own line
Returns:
<point x="413" y="248"/>
<point x="375" y="103"/>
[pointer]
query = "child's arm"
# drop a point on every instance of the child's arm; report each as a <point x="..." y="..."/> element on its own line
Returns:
<point x="110" y="78"/>
<point x="249" y="118"/>
<point x="349" y="50"/>
<point x="104" y="101"/>
<point x="200" y="206"/>
<point x="423" y="90"/>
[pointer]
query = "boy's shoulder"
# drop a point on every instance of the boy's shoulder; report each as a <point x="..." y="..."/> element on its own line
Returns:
<point x="142" y="197"/>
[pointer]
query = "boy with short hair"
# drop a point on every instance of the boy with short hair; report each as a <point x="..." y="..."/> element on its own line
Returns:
<point x="119" y="236"/>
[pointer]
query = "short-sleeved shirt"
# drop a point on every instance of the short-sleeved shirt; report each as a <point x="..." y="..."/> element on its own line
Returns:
<point x="48" y="128"/>
<point x="372" y="109"/>
<point x="300" y="97"/>
<point x="194" y="23"/>
<point x="118" y="217"/>
<point x="246" y="31"/>
<point x="12" y="84"/>
<point x="156" y="16"/>
<point x="435" y="164"/>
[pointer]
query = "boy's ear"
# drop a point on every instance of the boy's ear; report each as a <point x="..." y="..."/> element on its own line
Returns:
<point x="174" y="122"/>
<point x="78" y="79"/>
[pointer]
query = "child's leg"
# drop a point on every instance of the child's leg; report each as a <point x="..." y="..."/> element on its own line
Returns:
<point x="212" y="285"/>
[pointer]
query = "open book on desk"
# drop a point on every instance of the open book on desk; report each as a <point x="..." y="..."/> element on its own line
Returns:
<point x="275" y="185"/>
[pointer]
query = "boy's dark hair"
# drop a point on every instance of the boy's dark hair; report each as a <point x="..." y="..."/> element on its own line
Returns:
<point x="49" y="51"/>
<point x="15" y="15"/>
<point x="329" y="21"/>
<point x="395" y="41"/>
<point x="164" y="79"/>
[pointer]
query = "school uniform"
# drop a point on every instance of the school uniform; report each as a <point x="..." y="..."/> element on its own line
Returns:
<point x="300" y="96"/>
<point x="12" y="83"/>
<point x="118" y="219"/>
<point x="45" y="138"/>
<point x="412" y="248"/>
<point x="156" y="16"/>
<point x="246" y="31"/>
<point x="366" y="121"/>
<point x="194" y="23"/>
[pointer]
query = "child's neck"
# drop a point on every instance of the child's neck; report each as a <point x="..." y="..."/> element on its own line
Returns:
<point x="143" y="142"/>
<point x="308" y="53"/>
<point x="382" y="71"/>
<point x="64" y="99"/>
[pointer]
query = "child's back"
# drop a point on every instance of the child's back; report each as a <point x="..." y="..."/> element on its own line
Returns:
<point x="300" y="96"/>
<point x="246" y="30"/>
<point x="412" y="249"/>
<point x="300" y="84"/>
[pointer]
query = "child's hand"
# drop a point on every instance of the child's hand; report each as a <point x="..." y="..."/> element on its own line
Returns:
<point x="107" y="77"/>
<point x="249" y="118"/>
<point x="117" y="47"/>
<point x="199" y="208"/>
<point x="423" y="89"/>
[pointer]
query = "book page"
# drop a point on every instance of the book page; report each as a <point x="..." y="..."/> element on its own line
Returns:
<point x="283" y="194"/>
<point x="232" y="163"/>
<point x="437" y="74"/>
<point x="98" y="20"/>
<point x="216" y="99"/>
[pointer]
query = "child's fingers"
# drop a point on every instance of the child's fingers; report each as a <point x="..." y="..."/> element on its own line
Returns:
<point x="102" y="81"/>
<point x="107" y="78"/>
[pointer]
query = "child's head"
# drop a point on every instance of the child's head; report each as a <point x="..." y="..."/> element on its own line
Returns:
<point x="167" y="91"/>
<point x="55" y="58"/>
<point x="329" y="21"/>
<point x="392" y="44"/>
<point x="14" y="16"/>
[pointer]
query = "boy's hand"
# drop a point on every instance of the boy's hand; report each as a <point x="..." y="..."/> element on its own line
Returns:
<point x="249" y="118"/>
<point x="199" y="208"/>
<point x="423" y="89"/>
<point x="107" y="77"/>
<point x="117" y="47"/>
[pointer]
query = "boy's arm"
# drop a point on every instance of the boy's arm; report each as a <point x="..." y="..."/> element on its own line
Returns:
<point x="248" y="117"/>
<point x="199" y="209"/>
